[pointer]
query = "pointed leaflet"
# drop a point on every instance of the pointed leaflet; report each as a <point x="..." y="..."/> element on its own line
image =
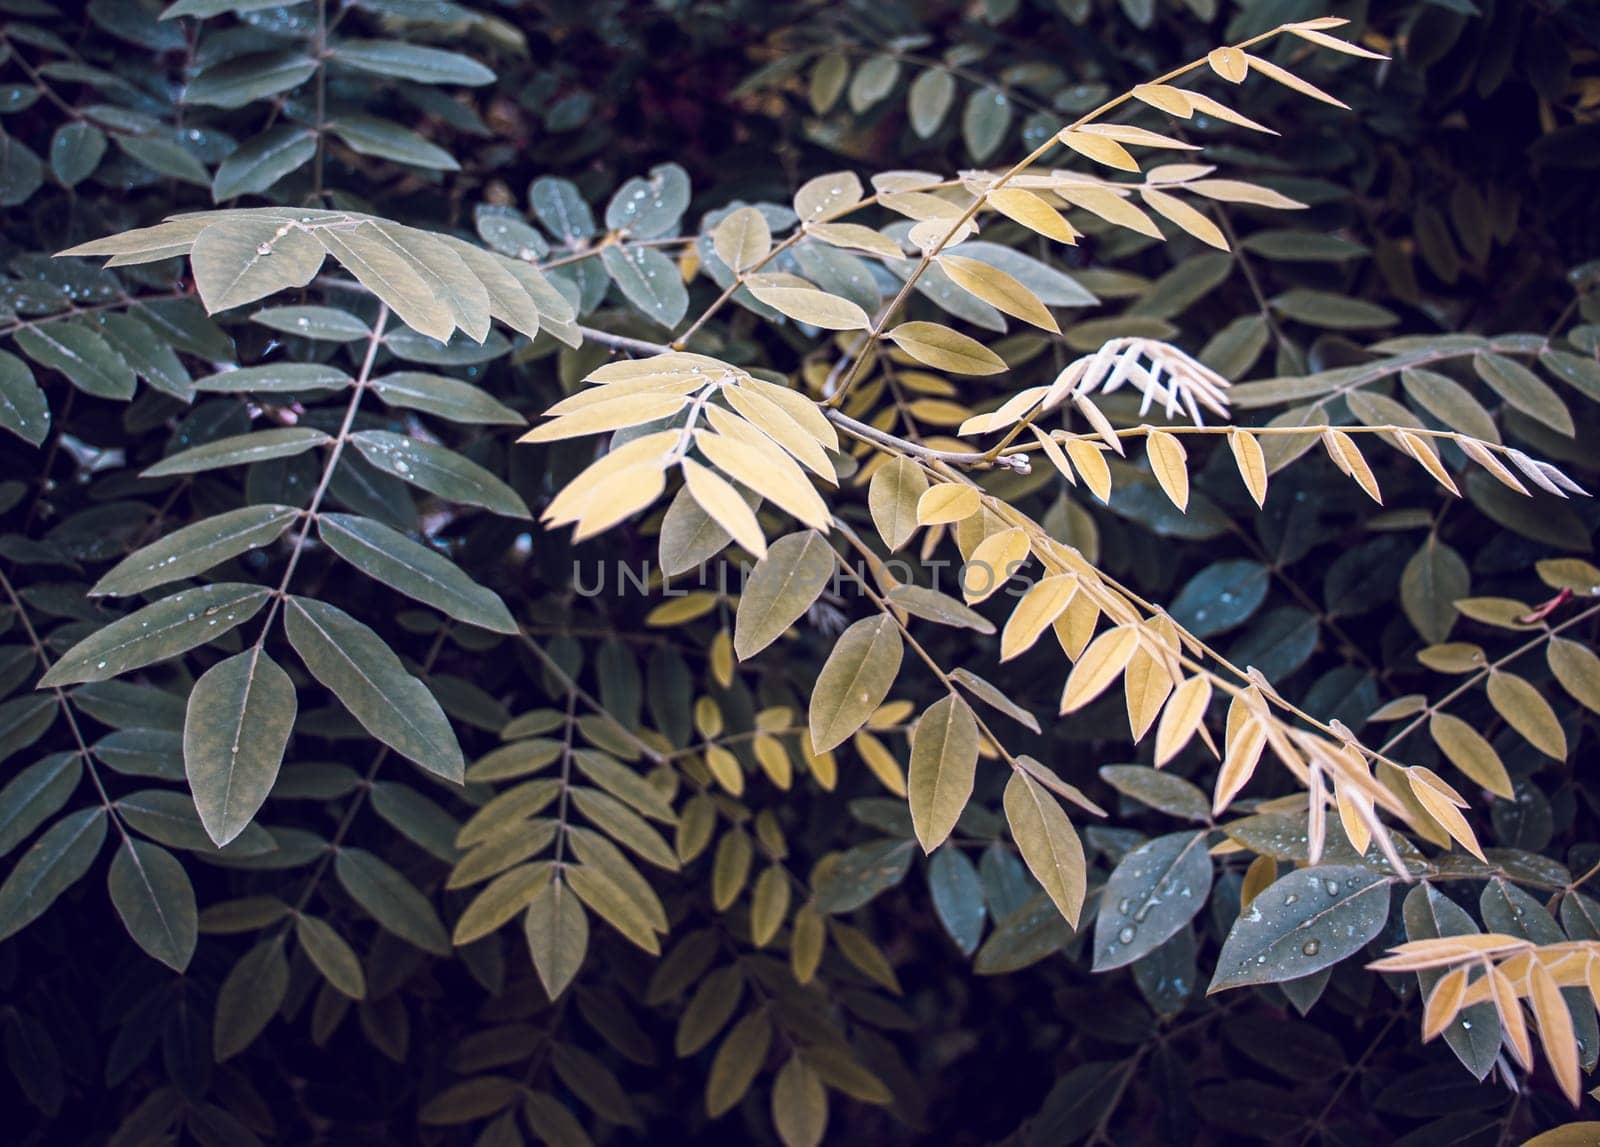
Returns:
<point x="249" y="998"/>
<point x="439" y="471"/>
<point x="367" y="677"/>
<point x="1151" y="894"/>
<point x="239" y="260"/>
<point x="780" y="589"/>
<point x="332" y="956"/>
<point x="799" y="1100"/>
<point x="52" y="864"/>
<point x="743" y="239"/>
<point x="1473" y="1033"/>
<point x="238" y="722"/>
<point x="152" y="894"/>
<point x="171" y="626"/>
<point x="1307" y="921"/>
<point x="35" y="794"/>
<point x="23" y="409"/>
<point x="414" y="570"/>
<point x="1048" y="843"/>
<point x="195" y="549"/>
<point x="391" y="900"/>
<point x="649" y="280"/>
<point x="557" y="931"/>
<point x="893" y="496"/>
<point x="854" y="681"/>
<point x="944" y="760"/>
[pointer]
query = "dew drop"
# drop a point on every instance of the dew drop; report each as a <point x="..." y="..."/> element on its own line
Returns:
<point x="1125" y="905"/>
<point x="1332" y="886"/>
<point x="1311" y="947"/>
<point x="1126" y="935"/>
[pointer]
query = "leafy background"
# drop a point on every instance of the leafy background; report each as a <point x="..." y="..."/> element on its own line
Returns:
<point x="952" y="1000"/>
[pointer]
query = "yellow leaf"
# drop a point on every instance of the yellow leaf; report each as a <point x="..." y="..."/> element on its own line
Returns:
<point x="814" y="308"/>
<point x="993" y="563"/>
<point x="1032" y="212"/>
<point x="1173" y="101"/>
<point x="1182" y="717"/>
<point x="633" y="410"/>
<point x="1306" y="32"/>
<point x="1111" y="207"/>
<point x="1578" y="670"/>
<point x="881" y="762"/>
<point x="1091" y="464"/>
<point x="1555" y="1031"/>
<point x="1444" y="1002"/>
<point x="1251" y="461"/>
<point x="1175" y="210"/>
<point x="1139" y="136"/>
<point x="1244" y="752"/>
<point x="944" y="760"/>
<point x="893" y="498"/>
<point x="1052" y="450"/>
<point x="1347" y="456"/>
<point x="1099" y="666"/>
<point x="1470" y="752"/>
<point x="1100" y="149"/>
<point x="999" y="290"/>
<point x="806" y="943"/>
<point x="769" y="904"/>
<point x="1168" y="460"/>
<point x="1444" y="813"/>
<point x="940" y="347"/>
<point x="856" y="236"/>
<point x="725" y="506"/>
<point x="1289" y="80"/>
<point x="722" y="658"/>
<point x="725" y="769"/>
<point x="743" y="239"/>
<point x="681" y="610"/>
<point x="770" y="473"/>
<point x="1229" y="63"/>
<point x="1048" y="843"/>
<point x="629" y="491"/>
<point x="1074" y="629"/>
<point x="1260" y="876"/>
<point x="779" y="425"/>
<point x="1037" y="610"/>
<point x="1422" y="451"/>
<point x="568" y="505"/>
<point x="947" y="502"/>
<point x="1526" y="711"/>
<point x="774" y="761"/>
<point x="1147" y="684"/>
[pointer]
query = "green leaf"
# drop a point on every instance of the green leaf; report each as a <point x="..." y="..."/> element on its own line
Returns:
<point x="414" y="570"/>
<point x="1165" y="791"/>
<point x="52" y="864"/>
<point x="239" y="260"/>
<point x="1524" y="391"/>
<point x="929" y="100"/>
<point x="165" y="629"/>
<point x="387" y="272"/>
<point x="23" y="408"/>
<point x="1332" y="311"/>
<point x="737" y="1062"/>
<point x="944" y="761"/>
<point x="276" y="378"/>
<point x="854" y="681"/>
<point x="505" y="896"/>
<point x="391" y="900"/>
<point x="780" y="589"/>
<point x="165" y="157"/>
<point x="957" y="897"/>
<point x="150" y="355"/>
<point x="195" y="549"/>
<point x="985" y="121"/>
<point x="845" y="881"/>
<point x="36" y="794"/>
<point x="410" y="62"/>
<point x="439" y="471"/>
<point x="446" y="397"/>
<point x="241" y="80"/>
<point x="262" y="160"/>
<point x="931" y="605"/>
<point x="249" y="998"/>
<point x="1155" y="891"/>
<point x="1434" y="579"/>
<point x="647" y="208"/>
<point x="1309" y="920"/>
<point x="364" y="673"/>
<point x="385" y="139"/>
<point x="152" y="894"/>
<point x="334" y="958"/>
<point x="76" y="150"/>
<point x="1049" y="844"/>
<point x="240" y="450"/>
<point x="327" y="324"/>
<point x="77" y="351"/>
<point x="557" y="931"/>
<point x="240" y="715"/>
<point x="561" y="207"/>
<point x="171" y="818"/>
<point x="649" y="280"/>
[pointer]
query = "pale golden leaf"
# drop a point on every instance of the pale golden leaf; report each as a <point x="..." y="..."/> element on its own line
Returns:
<point x="725" y="506"/>
<point x="634" y="410"/>
<point x="1184" y="712"/>
<point x="996" y="559"/>
<point x="1025" y="207"/>
<point x="1290" y="80"/>
<point x="770" y="473"/>
<point x="1100" y="149"/>
<point x="1348" y="457"/>
<point x="814" y="308"/>
<point x="1045" y="601"/>
<point x="1229" y="63"/>
<point x="1169" y="463"/>
<point x="1102" y="662"/>
<point x="1525" y="710"/>
<point x="1252" y="463"/>
<point x="1147" y="684"/>
<point x="947" y="502"/>
<point x="999" y="290"/>
<point x="1176" y="211"/>
<point x="1091" y="465"/>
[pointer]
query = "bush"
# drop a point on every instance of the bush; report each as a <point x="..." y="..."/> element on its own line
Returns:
<point x="1152" y="509"/>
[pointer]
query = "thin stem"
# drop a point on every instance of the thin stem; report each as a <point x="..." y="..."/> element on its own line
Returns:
<point x="332" y="464"/>
<point x="862" y="432"/>
<point x="64" y="702"/>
